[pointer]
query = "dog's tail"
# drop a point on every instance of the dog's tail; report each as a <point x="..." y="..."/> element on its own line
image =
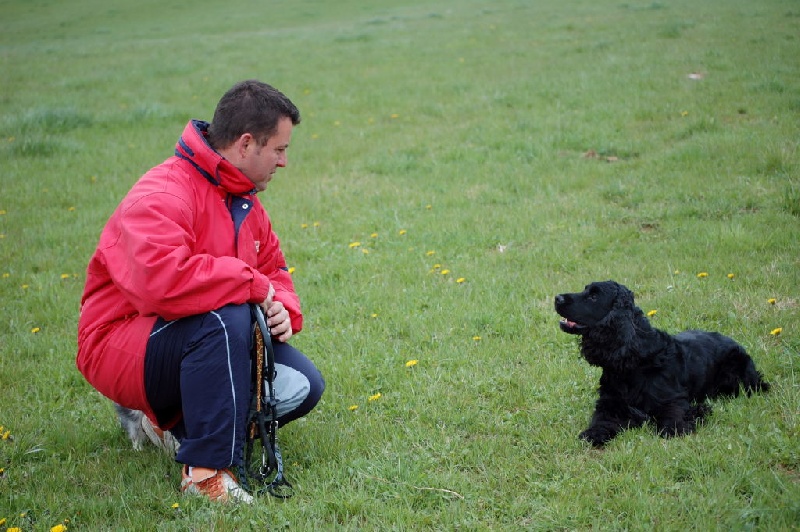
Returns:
<point x="752" y="380"/>
<point x="131" y="422"/>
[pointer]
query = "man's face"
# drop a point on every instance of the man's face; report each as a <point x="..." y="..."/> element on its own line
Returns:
<point x="259" y="163"/>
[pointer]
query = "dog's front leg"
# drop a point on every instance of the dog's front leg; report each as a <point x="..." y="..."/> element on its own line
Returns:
<point x="610" y="417"/>
<point x="678" y="418"/>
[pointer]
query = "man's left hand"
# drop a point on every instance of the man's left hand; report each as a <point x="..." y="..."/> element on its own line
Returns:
<point x="280" y="326"/>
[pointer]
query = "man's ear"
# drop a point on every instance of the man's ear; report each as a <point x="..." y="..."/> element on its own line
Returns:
<point x="244" y="144"/>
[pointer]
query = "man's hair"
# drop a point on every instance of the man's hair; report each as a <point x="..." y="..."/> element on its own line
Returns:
<point x="249" y="107"/>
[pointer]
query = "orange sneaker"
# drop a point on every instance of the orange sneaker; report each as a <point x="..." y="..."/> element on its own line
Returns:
<point x="221" y="485"/>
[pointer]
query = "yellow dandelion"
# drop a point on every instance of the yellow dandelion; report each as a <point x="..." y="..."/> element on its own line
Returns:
<point x="731" y="275"/>
<point x="460" y="280"/>
<point x="374" y="315"/>
<point x="651" y="313"/>
<point x="374" y="397"/>
<point x="26" y="286"/>
<point x="175" y="505"/>
<point x="2" y="212"/>
<point x="430" y="253"/>
<point x="401" y="232"/>
<point x="365" y="251"/>
<point x="6" y="275"/>
<point x="437" y="266"/>
<point x="352" y="408"/>
<point x="65" y="276"/>
<point x="411" y="363"/>
<point x="445" y="272"/>
<point x="6" y="435"/>
<point x="36" y="330"/>
<point x="71" y="209"/>
<point x="2" y="521"/>
<point x="314" y="136"/>
<point x="58" y="528"/>
<point x="429" y="206"/>
<point x="476" y="338"/>
<point x="292" y="269"/>
<point x="684" y="113"/>
<point x="303" y="226"/>
<point x="14" y="528"/>
<point x="772" y="301"/>
<point x="676" y="272"/>
<point x="355" y="245"/>
<point x="776" y="332"/>
<point x="317" y="224"/>
<point x="374" y="235"/>
<point x="395" y="115"/>
<point x="701" y="275"/>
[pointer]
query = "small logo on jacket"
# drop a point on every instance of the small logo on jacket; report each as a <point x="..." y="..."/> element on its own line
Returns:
<point x="258" y="246"/>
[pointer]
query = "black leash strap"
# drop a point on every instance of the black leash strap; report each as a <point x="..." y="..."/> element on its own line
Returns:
<point x="263" y="419"/>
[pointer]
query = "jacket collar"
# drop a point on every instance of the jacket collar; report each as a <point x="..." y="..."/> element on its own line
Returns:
<point x="194" y="148"/>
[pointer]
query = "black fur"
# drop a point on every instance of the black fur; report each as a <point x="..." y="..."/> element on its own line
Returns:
<point x="649" y="375"/>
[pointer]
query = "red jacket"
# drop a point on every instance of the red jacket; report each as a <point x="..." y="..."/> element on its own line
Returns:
<point x="190" y="237"/>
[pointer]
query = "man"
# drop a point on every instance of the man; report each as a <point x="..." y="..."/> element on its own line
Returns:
<point x="166" y="324"/>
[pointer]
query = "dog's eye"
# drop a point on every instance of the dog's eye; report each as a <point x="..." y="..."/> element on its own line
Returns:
<point x="592" y="297"/>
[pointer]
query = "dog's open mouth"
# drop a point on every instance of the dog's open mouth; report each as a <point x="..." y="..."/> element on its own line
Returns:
<point x="572" y="327"/>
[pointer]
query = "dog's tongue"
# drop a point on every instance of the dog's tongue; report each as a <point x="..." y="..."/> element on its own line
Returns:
<point x="568" y="323"/>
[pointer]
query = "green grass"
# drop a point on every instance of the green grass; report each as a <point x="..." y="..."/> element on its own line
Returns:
<point x="532" y="146"/>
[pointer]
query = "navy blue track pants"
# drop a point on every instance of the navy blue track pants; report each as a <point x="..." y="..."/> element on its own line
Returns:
<point x="197" y="370"/>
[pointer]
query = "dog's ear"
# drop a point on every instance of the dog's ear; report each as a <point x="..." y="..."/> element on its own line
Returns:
<point x="622" y="318"/>
<point x="623" y="299"/>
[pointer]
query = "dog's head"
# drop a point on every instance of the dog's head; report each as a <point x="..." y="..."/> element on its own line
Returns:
<point x="582" y="311"/>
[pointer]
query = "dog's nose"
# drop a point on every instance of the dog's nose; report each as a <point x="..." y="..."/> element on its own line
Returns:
<point x="559" y="299"/>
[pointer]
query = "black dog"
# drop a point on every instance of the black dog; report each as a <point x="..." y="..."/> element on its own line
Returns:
<point x="649" y="375"/>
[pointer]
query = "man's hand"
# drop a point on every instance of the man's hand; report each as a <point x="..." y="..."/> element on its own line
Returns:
<point x="267" y="302"/>
<point x="280" y="326"/>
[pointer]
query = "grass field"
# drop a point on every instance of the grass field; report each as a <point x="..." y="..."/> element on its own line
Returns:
<point x="459" y="163"/>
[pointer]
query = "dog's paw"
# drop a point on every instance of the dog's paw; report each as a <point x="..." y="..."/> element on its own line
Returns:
<point x="676" y="429"/>
<point x="596" y="436"/>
